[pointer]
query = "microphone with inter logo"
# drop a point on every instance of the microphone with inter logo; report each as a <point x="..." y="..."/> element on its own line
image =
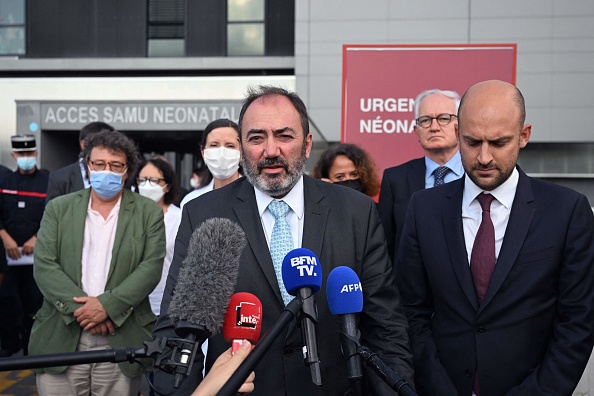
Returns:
<point x="302" y="277"/>
<point x="243" y="320"/>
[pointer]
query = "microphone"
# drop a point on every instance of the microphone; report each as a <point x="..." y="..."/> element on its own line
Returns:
<point x="243" y="320"/>
<point x="302" y="276"/>
<point x="206" y="281"/>
<point x="345" y="299"/>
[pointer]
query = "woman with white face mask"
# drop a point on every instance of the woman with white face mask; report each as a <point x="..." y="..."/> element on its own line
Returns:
<point x="221" y="152"/>
<point x="157" y="181"/>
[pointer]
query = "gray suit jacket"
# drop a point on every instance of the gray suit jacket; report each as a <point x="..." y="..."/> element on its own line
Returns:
<point x="64" y="181"/>
<point x="342" y="227"/>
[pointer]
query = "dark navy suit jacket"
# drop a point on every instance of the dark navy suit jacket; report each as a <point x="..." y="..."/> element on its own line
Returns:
<point x="398" y="185"/>
<point x="64" y="181"/>
<point x="533" y="333"/>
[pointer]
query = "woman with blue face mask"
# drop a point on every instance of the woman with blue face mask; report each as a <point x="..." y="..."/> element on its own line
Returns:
<point x="221" y="151"/>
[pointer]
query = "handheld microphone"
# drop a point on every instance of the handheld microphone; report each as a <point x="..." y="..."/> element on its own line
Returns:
<point x="345" y="299"/>
<point x="302" y="276"/>
<point x="206" y="281"/>
<point x="243" y="320"/>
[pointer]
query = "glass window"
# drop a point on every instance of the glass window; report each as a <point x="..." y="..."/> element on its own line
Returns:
<point x="166" y="28"/>
<point x="12" y="27"/>
<point x="166" y="47"/>
<point x="245" y="28"/>
<point x="245" y="39"/>
<point x="12" y="12"/>
<point x="245" y="10"/>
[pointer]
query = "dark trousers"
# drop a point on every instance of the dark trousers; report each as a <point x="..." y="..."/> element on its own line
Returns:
<point x="20" y="299"/>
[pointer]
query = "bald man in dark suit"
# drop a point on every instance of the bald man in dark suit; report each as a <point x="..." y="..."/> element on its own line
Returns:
<point x="498" y="295"/>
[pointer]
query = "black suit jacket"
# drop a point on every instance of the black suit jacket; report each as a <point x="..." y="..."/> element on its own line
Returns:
<point x="533" y="333"/>
<point x="64" y="181"/>
<point x="398" y="185"/>
<point x="342" y="227"/>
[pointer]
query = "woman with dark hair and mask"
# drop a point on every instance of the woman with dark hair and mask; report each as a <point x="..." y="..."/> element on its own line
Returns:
<point x="348" y="165"/>
<point x="157" y="181"/>
<point x="220" y="148"/>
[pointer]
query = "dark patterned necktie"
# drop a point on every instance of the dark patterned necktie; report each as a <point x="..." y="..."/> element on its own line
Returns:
<point x="439" y="175"/>
<point x="482" y="258"/>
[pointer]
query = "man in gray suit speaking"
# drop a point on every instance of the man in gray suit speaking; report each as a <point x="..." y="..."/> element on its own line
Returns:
<point x="340" y="225"/>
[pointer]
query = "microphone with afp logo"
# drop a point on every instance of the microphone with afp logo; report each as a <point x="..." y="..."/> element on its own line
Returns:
<point x="302" y="276"/>
<point x="345" y="299"/>
<point x="243" y="320"/>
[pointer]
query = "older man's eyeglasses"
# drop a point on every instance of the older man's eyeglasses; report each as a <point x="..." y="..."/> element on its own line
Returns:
<point x="101" y="165"/>
<point x="442" y="119"/>
<point x="152" y="181"/>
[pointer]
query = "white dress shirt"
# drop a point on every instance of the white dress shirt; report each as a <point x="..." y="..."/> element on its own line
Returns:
<point x="296" y="202"/>
<point x="500" y="210"/>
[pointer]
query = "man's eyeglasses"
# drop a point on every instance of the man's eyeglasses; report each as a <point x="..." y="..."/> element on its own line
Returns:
<point x="442" y="119"/>
<point x="115" y="166"/>
<point x="153" y="181"/>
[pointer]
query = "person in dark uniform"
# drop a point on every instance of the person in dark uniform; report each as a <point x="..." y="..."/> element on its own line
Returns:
<point x="22" y="201"/>
<point x="4" y="171"/>
<point x="3" y="266"/>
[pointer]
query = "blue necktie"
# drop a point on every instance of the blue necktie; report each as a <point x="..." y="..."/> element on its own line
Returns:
<point x="281" y="243"/>
<point x="439" y="175"/>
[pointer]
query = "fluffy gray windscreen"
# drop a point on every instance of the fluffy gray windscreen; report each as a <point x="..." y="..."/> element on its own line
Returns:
<point x="208" y="275"/>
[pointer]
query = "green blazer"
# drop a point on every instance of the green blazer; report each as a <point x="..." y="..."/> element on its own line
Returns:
<point x="135" y="270"/>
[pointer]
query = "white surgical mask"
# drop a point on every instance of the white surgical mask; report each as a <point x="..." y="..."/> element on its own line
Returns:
<point x="194" y="183"/>
<point x="222" y="162"/>
<point x="153" y="192"/>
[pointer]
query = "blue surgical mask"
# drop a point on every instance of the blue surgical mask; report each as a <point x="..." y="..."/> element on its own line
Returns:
<point x="26" y="163"/>
<point x="106" y="183"/>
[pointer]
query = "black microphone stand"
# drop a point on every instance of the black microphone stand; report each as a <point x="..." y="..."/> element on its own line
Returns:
<point x="193" y="336"/>
<point x="247" y="366"/>
<point x="350" y="337"/>
<point x="72" y="358"/>
<point x="385" y="372"/>
<point x="179" y="361"/>
<point x="308" y="318"/>
<point x="351" y="346"/>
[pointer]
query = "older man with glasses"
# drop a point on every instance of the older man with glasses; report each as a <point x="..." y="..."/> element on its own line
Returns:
<point x="435" y="113"/>
<point x="99" y="254"/>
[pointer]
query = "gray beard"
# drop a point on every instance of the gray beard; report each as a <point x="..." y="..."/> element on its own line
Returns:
<point x="274" y="187"/>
